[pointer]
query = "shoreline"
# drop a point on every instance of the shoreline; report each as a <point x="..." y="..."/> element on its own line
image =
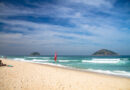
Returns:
<point x="75" y="69"/>
<point x="80" y="70"/>
<point x="56" y="78"/>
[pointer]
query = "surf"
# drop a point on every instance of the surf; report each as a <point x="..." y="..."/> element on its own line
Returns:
<point x="102" y="61"/>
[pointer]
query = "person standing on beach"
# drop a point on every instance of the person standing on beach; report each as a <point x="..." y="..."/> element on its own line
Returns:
<point x="55" y="57"/>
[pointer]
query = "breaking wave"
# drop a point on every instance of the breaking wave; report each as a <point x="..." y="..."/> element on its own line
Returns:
<point x="68" y="60"/>
<point x="116" y="72"/>
<point x="36" y="60"/>
<point x="19" y="59"/>
<point x="102" y="61"/>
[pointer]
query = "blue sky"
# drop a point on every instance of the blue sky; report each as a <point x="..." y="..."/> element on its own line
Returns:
<point x="70" y="27"/>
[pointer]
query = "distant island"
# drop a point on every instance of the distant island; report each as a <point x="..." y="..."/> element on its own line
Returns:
<point x="105" y="52"/>
<point x="35" y="54"/>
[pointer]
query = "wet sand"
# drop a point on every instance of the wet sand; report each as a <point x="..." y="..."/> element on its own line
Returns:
<point x="30" y="76"/>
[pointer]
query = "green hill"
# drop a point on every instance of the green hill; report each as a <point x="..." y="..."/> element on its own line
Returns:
<point x="105" y="52"/>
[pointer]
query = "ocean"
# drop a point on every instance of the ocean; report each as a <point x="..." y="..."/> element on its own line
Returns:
<point x="112" y="65"/>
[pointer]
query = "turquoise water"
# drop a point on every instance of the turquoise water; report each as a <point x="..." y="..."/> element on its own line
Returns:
<point x="114" y="65"/>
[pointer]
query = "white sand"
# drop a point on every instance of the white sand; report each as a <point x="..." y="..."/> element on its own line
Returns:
<point x="29" y="76"/>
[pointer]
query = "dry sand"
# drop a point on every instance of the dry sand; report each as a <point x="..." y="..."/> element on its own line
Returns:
<point x="29" y="76"/>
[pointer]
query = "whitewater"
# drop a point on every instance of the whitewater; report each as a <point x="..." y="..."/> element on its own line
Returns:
<point x="113" y="65"/>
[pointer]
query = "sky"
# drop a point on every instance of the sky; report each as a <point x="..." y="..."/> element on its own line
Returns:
<point x="68" y="27"/>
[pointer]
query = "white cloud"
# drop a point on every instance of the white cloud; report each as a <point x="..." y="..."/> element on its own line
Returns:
<point x="90" y="29"/>
<point x="11" y="10"/>
<point x="48" y="32"/>
<point x="42" y="10"/>
<point x="46" y="36"/>
<point x="96" y="3"/>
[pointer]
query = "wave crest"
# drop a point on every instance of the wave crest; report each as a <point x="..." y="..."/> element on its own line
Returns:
<point x="102" y="61"/>
<point x="116" y="72"/>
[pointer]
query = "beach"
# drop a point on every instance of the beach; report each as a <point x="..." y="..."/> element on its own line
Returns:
<point x="32" y="76"/>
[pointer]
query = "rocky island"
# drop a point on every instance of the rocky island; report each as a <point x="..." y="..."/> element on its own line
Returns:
<point x="105" y="52"/>
<point x="35" y="54"/>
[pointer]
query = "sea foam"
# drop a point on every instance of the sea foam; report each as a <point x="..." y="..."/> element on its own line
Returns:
<point x="102" y="61"/>
<point x="37" y="60"/>
<point x="115" y="72"/>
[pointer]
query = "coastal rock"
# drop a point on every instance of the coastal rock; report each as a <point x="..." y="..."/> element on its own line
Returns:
<point x="105" y="52"/>
<point x="35" y="54"/>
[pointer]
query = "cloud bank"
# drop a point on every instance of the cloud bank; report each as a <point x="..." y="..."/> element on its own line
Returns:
<point x="69" y="27"/>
